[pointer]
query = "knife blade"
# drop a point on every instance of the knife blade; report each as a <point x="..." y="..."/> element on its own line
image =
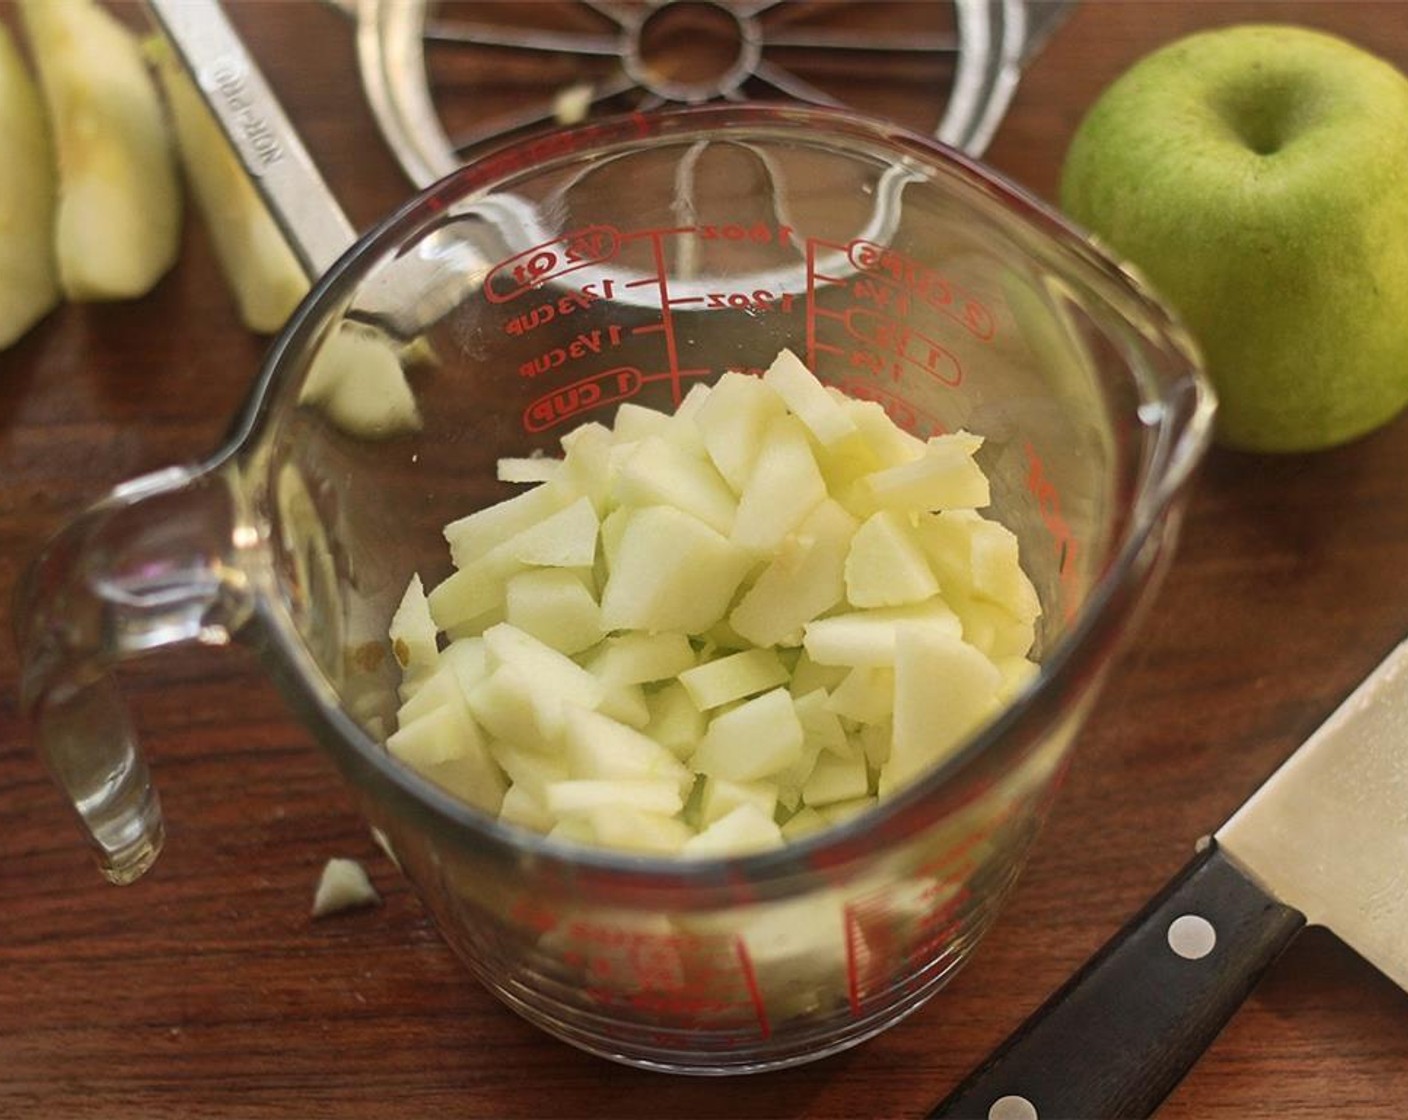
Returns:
<point x="1324" y="841"/>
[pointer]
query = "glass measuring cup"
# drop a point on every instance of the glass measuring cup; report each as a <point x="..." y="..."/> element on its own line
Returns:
<point x="551" y="282"/>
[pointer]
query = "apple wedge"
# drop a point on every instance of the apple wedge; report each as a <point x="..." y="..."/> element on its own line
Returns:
<point x="260" y="268"/>
<point x="29" y="282"/>
<point x="118" y="229"/>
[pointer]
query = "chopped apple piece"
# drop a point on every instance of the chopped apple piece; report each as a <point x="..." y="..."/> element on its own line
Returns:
<point x="835" y="779"/>
<point x="343" y="885"/>
<point x="479" y="533"/>
<point x="867" y="695"/>
<point x="947" y="477"/>
<point x="672" y="572"/>
<point x="413" y="633"/>
<point x="944" y="689"/>
<point x="447" y="747"/>
<point x="721" y="797"/>
<point x="586" y="795"/>
<point x="783" y="488"/>
<point x="675" y="723"/>
<point x="636" y="830"/>
<point x="868" y="637"/>
<point x="839" y="812"/>
<point x="477" y="589"/>
<point x="29" y="284"/>
<point x="555" y="607"/>
<point x="596" y="746"/>
<point x="529" y="770"/>
<point x="806" y="578"/>
<point x="760" y="737"/>
<point x="746" y="829"/>
<point x="820" y="725"/>
<point x="730" y="678"/>
<point x="357" y="381"/>
<point x="885" y="566"/>
<point x="528" y="469"/>
<point x="118" y="229"/>
<point x="520" y="807"/>
<point x="825" y="417"/>
<point x="638" y="658"/>
<point x="803" y="822"/>
<point x="733" y="423"/>
<point x="662" y="473"/>
<point x="265" y="277"/>
<point x="565" y="539"/>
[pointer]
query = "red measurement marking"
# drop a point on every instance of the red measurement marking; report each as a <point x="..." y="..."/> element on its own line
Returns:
<point x="596" y="391"/>
<point x="750" y="980"/>
<point x="926" y="284"/>
<point x="907" y="416"/>
<point x="1063" y="540"/>
<point x="551" y="260"/>
<point x="895" y="337"/>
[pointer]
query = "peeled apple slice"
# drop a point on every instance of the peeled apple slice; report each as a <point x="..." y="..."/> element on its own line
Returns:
<point x="119" y="214"/>
<point x="29" y="283"/>
<point x="264" y="275"/>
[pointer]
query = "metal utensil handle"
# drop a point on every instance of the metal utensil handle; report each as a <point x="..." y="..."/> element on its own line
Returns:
<point x="304" y="208"/>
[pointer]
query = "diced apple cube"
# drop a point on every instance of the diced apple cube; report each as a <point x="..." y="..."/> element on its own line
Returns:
<point x="890" y="444"/>
<point x="596" y="746"/>
<point x="413" y="633"/>
<point x="838" y="812"/>
<point x="635" y="830"/>
<point x="992" y="628"/>
<point x="552" y="605"/>
<point x="637" y="658"/>
<point x="835" y="779"/>
<point x="527" y="469"/>
<point x="447" y="747"/>
<point x="997" y="571"/>
<point x="783" y="488"/>
<point x="529" y="770"/>
<point x="821" y="726"/>
<point x="760" y="737"/>
<point x="806" y="578"/>
<point x="477" y="589"/>
<point x="675" y="723"/>
<point x="548" y="669"/>
<point x="662" y="473"/>
<point x="873" y="741"/>
<point x="523" y="809"/>
<point x="672" y="572"/>
<point x="626" y="704"/>
<point x="803" y="822"/>
<point x="733" y="422"/>
<point x="944" y="689"/>
<point x="868" y="637"/>
<point x="808" y="675"/>
<point x="733" y="677"/>
<point x="947" y="477"/>
<point x="721" y="797"/>
<point x="505" y="704"/>
<point x="476" y="534"/>
<point x="885" y="566"/>
<point x="826" y="419"/>
<point x="467" y="660"/>
<point x="586" y="795"/>
<point x="867" y="695"/>
<point x="565" y="539"/>
<point x="745" y="829"/>
<point x="432" y="691"/>
<point x="634" y="422"/>
<point x="586" y="463"/>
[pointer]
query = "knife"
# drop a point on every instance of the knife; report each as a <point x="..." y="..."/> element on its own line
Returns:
<point x="1323" y="842"/>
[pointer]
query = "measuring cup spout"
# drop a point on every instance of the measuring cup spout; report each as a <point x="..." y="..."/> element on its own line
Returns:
<point x="156" y="563"/>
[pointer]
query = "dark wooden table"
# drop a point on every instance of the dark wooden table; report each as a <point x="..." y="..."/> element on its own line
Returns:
<point x="206" y="990"/>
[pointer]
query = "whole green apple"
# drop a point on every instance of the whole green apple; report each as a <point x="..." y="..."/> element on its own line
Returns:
<point x="1258" y="177"/>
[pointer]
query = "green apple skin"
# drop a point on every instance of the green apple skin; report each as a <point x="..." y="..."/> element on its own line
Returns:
<point x="1257" y="175"/>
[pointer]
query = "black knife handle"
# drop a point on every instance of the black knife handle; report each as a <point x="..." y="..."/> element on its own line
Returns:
<point x="1120" y="1034"/>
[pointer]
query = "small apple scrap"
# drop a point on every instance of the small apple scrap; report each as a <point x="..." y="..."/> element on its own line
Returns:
<point x="343" y="885"/>
<point x="710" y="632"/>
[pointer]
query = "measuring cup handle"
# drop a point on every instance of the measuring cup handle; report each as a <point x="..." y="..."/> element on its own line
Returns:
<point x="156" y="563"/>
